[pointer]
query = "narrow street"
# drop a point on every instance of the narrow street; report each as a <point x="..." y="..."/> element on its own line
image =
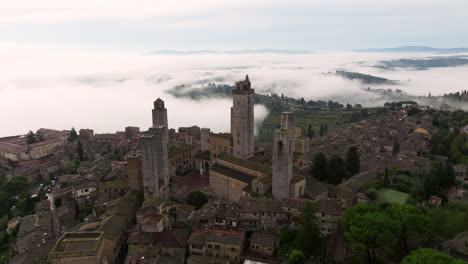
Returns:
<point x="55" y="221"/>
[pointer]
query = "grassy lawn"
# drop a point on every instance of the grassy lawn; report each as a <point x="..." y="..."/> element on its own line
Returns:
<point x="391" y="196"/>
<point x="335" y="120"/>
<point x="464" y="160"/>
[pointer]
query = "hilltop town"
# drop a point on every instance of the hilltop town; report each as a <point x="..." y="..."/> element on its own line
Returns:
<point x="382" y="188"/>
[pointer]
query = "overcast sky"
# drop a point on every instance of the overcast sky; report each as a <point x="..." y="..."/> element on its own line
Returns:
<point x="145" y="25"/>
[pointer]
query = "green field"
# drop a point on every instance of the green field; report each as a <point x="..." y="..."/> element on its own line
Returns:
<point x="335" y="120"/>
<point x="464" y="160"/>
<point x="391" y="196"/>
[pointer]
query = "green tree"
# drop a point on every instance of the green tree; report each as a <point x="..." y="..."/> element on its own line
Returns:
<point x="371" y="193"/>
<point x="25" y="206"/>
<point x="71" y="167"/>
<point x="413" y="111"/>
<point x="449" y="220"/>
<point x="79" y="149"/>
<point x="319" y="166"/>
<point x="2" y="175"/>
<point x="3" y="222"/>
<point x="336" y="170"/>
<point x="430" y="256"/>
<point x="5" y="202"/>
<point x="197" y="199"/>
<point x="321" y="132"/>
<point x="73" y="134"/>
<point x="386" y="181"/>
<point x="309" y="232"/>
<point x="441" y="175"/>
<point x="310" y="131"/>
<point x="409" y="222"/>
<point x="296" y="257"/>
<point x="16" y="186"/>
<point x="352" y="160"/>
<point x="367" y="227"/>
<point x="31" y="138"/>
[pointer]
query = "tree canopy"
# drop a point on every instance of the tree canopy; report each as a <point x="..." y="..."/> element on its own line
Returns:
<point x="336" y="170"/>
<point x="197" y="199"/>
<point x="80" y="151"/>
<point x="319" y="166"/>
<point x="309" y="233"/>
<point x="440" y="176"/>
<point x="368" y="227"/>
<point x="296" y="257"/>
<point x="409" y="221"/>
<point x="31" y="138"/>
<point x="352" y="160"/>
<point x="73" y="134"/>
<point x="430" y="256"/>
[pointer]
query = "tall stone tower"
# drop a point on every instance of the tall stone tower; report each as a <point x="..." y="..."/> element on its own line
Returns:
<point x="134" y="173"/>
<point x="160" y="115"/>
<point x="283" y="149"/>
<point x="204" y="139"/>
<point x="155" y="163"/>
<point x="287" y="123"/>
<point x="242" y="119"/>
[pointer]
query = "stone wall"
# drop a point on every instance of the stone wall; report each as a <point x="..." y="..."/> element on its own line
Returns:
<point x="226" y="188"/>
<point x="282" y="164"/>
<point x="242" y="120"/>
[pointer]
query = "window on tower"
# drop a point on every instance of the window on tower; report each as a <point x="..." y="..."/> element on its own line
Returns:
<point x="280" y="147"/>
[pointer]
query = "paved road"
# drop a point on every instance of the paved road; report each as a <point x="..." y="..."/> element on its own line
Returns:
<point x="55" y="220"/>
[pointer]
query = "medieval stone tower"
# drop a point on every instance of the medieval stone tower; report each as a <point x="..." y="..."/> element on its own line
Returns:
<point x="242" y="119"/>
<point x="287" y="123"/>
<point x="155" y="164"/>
<point x="204" y="139"/>
<point x="160" y="115"/>
<point x="154" y="155"/>
<point x="283" y="149"/>
<point x="135" y="176"/>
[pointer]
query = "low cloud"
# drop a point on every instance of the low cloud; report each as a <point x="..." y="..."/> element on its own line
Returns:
<point x="41" y="87"/>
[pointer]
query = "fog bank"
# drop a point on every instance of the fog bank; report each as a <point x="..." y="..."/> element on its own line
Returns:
<point x="106" y="91"/>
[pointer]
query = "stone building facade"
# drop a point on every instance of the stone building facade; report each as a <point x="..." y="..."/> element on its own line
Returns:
<point x="212" y="246"/>
<point x="155" y="163"/>
<point x="228" y="184"/>
<point x="79" y="247"/>
<point x="259" y="214"/>
<point x="264" y="244"/>
<point x="16" y="148"/>
<point x="204" y="139"/>
<point x="288" y="124"/>
<point x="282" y="164"/>
<point x="219" y="143"/>
<point x="242" y="119"/>
<point x="134" y="173"/>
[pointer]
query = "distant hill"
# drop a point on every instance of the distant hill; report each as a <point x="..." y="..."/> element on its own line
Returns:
<point x="364" y="78"/>
<point x="415" y="49"/>
<point x="424" y="63"/>
<point x="246" y="51"/>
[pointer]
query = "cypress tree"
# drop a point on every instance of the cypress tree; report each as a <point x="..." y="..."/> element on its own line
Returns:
<point x="309" y="131"/>
<point x="336" y="170"/>
<point x="319" y="166"/>
<point x="80" y="151"/>
<point x="352" y="160"/>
